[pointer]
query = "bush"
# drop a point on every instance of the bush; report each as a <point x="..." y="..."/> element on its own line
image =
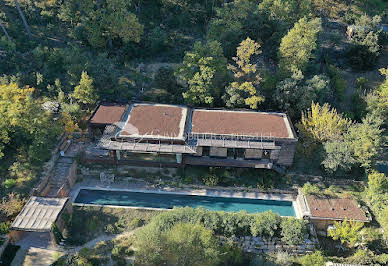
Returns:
<point x="232" y="255"/>
<point x="314" y="259"/>
<point x="265" y="224"/>
<point x="309" y="189"/>
<point x="293" y="231"/>
<point x="182" y="244"/>
<point x="284" y="259"/>
<point x="11" y="205"/>
<point x="362" y="257"/>
<point x="4" y="227"/>
<point x="348" y="232"/>
<point x="9" y="183"/>
<point x="210" y="180"/>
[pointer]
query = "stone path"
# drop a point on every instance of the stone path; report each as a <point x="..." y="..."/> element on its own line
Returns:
<point x="36" y="249"/>
<point x="36" y="257"/>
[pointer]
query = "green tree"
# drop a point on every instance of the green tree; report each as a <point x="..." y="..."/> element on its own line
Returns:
<point x="313" y="259"/>
<point x="295" y="94"/>
<point x="237" y="20"/>
<point x="288" y="11"/>
<point x="84" y="92"/>
<point x="377" y="101"/>
<point x="296" y="48"/>
<point x="348" y="232"/>
<point x="339" y="154"/>
<point x="365" y="40"/>
<point x="204" y="69"/>
<point x="293" y="231"/>
<point x="243" y="90"/>
<point x="183" y="244"/>
<point x="23" y="125"/>
<point x="265" y="224"/>
<point x="100" y="22"/>
<point x="366" y="140"/>
<point x="322" y="123"/>
<point x="377" y="183"/>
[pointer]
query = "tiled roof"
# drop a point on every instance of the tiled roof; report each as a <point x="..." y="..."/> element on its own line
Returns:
<point x="107" y="114"/>
<point x="39" y="214"/>
<point x="335" y="208"/>
<point x="247" y="123"/>
<point x="155" y="121"/>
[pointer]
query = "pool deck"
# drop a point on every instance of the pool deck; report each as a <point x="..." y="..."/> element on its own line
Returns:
<point x="144" y="187"/>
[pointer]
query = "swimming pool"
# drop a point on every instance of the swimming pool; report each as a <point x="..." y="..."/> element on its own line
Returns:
<point x="168" y="201"/>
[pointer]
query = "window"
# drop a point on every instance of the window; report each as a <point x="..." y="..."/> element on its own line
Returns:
<point x="230" y="153"/>
<point x="239" y="153"/>
<point x="206" y="151"/>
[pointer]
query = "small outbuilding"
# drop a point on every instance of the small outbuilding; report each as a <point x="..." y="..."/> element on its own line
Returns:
<point x="38" y="216"/>
<point x="324" y="211"/>
<point x="105" y="114"/>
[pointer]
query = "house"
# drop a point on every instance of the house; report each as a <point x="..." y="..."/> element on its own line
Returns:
<point x="323" y="211"/>
<point x="174" y="135"/>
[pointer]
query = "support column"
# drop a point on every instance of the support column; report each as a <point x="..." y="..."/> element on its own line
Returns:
<point x="178" y="158"/>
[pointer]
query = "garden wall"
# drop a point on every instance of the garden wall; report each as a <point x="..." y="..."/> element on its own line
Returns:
<point x="259" y="245"/>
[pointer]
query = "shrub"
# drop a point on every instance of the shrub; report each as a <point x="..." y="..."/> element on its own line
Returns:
<point x="182" y="244"/>
<point x="232" y="255"/>
<point x="110" y="229"/>
<point x="348" y="232"/>
<point x="4" y="227"/>
<point x="309" y="189"/>
<point x="293" y="231"/>
<point x="283" y="258"/>
<point x="314" y="259"/>
<point x="362" y="257"/>
<point x="9" y="183"/>
<point x="11" y="205"/>
<point x="136" y="222"/>
<point x="210" y="180"/>
<point x="265" y="224"/>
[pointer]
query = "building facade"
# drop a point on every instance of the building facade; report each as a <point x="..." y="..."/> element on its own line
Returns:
<point x="173" y="135"/>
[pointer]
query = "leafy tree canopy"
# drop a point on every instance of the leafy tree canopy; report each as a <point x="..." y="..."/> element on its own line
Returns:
<point x="204" y="69"/>
<point x="322" y="123"/>
<point x="295" y="94"/>
<point x="243" y="90"/>
<point x="296" y="48"/>
<point x="100" y="22"/>
<point x="183" y="244"/>
<point x="84" y="92"/>
<point x="348" y="232"/>
<point x="288" y="11"/>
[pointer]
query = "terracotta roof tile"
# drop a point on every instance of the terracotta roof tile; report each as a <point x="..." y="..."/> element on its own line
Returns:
<point x="335" y="208"/>
<point x="155" y="120"/>
<point x="239" y="123"/>
<point x="108" y="114"/>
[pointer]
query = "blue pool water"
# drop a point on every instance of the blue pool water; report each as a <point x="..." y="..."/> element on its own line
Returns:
<point x="168" y="201"/>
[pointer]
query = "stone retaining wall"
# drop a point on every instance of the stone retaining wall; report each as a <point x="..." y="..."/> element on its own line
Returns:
<point x="257" y="245"/>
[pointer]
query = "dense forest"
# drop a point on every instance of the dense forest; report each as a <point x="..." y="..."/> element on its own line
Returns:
<point x="325" y="63"/>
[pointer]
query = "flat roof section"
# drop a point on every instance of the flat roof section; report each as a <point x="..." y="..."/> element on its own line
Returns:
<point x="335" y="208"/>
<point x="159" y="121"/>
<point x="39" y="214"/>
<point x="107" y="114"/>
<point x="246" y="123"/>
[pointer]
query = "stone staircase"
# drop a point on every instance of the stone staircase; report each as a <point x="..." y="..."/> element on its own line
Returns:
<point x="59" y="177"/>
